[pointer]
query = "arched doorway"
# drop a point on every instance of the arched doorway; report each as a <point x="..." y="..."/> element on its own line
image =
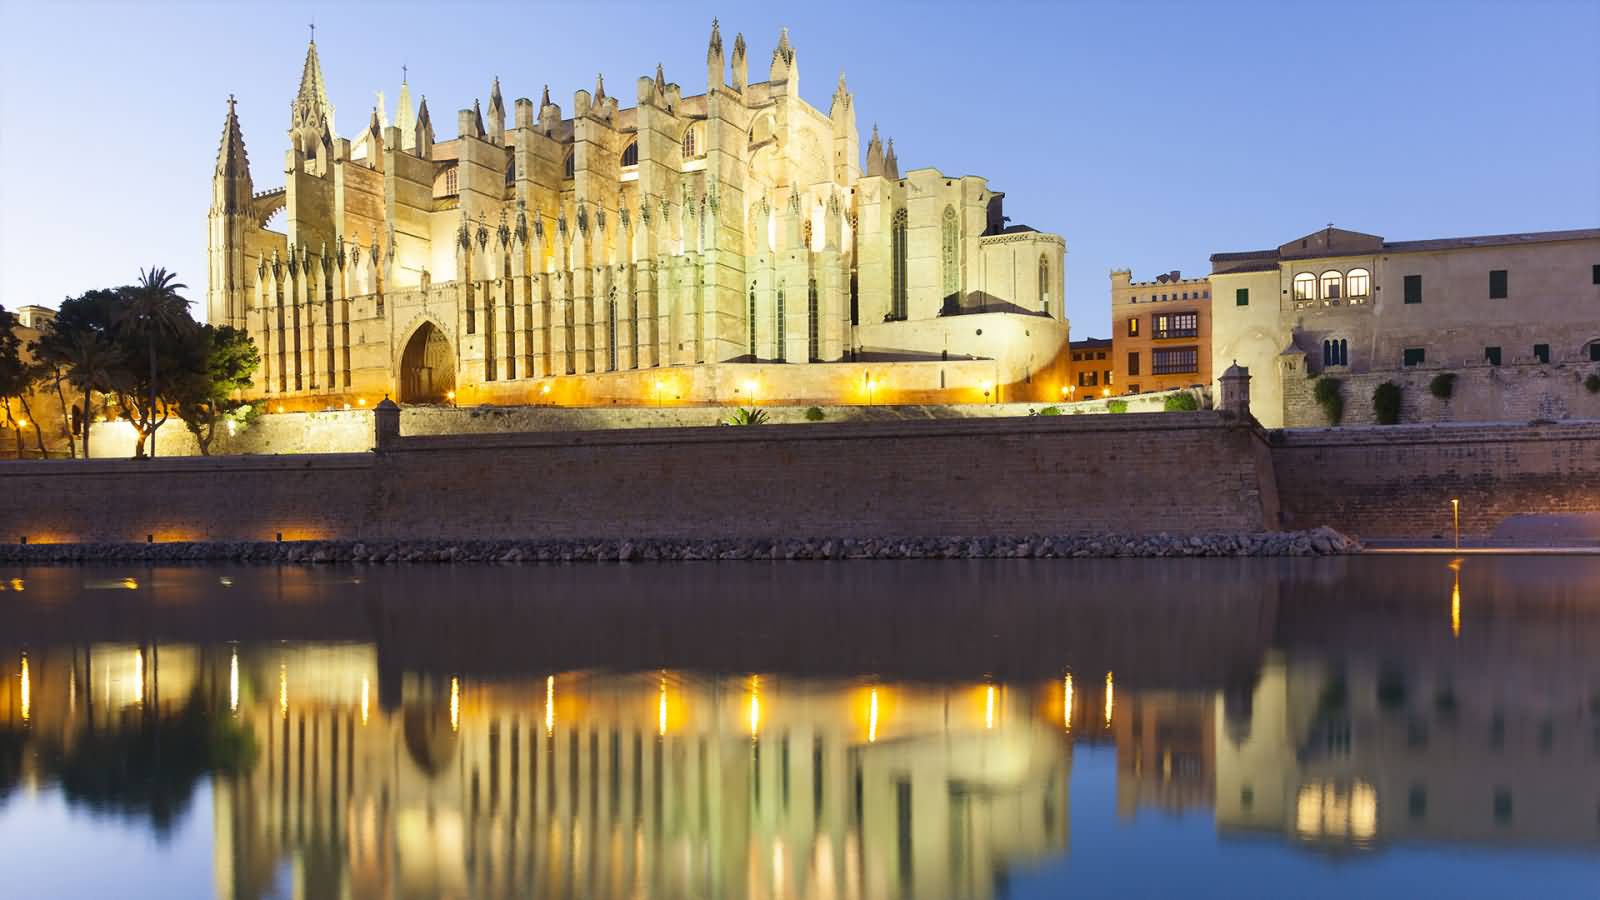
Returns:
<point x="427" y="367"/>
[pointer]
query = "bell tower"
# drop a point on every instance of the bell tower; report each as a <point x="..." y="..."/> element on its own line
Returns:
<point x="228" y="284"/>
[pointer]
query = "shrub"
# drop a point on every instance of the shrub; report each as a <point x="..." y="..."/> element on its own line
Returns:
<point x="1443" y="385"/>
<point x="1181" y="403"/>
<point x="1592" y="383"/>
<point x="1329" y="394"/>
<point x="1386" y="403"/>
<point x="1117" y="406"/>
<point x="815" y="414"/>
<point x="1050" y="411"/>
<point x="744" y="416"/>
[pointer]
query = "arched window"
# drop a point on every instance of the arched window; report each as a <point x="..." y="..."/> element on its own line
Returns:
<point x="899" y="260"/>
<point x="1357" y="285"/>
<point x="950" y="258"/>
<point x="1332" y="286"/>
<point x="693" y="141"/>
<point x="813" y="347"/>
<point x="569" y="168"/>
<point x="750" y="316"/>
<point x="778" y="327"/>
<point x="630" y="156"/>
<point x="1044" y="284"/>
<point x="1305" y="287"/>
<point x="1336" y="352"/>
<point x="511" y="171"/>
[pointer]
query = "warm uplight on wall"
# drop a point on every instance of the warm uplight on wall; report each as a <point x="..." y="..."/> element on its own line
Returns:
<point x="1066" y="702"/>
<point x="872" y="716"/>
<point x="361" y="401"/>
<point x="988" y="387"/>
<point x="1105" y="392"/>
<point x="450" y="396"/>
<point x="279" y="408"/>
<point x="1455" y="514"/>
<point x="660" y="387"/>
<point x="550" y="705"/>
<point x="988" y="708"/>
<point x="750" y="388"/>
<point x="455" y="703"/>
<point x="366" y="698"/>
<point x="27" y="690"/>
<point x="233" y="681"/>
<point x="1108" y="698"/>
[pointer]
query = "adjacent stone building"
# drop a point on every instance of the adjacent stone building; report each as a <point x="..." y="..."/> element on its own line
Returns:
<point x="1090" y="372"/>
<point x="682" y="247"/>
<point x="1160" y="331"/>
<point x="1515" y="317"/>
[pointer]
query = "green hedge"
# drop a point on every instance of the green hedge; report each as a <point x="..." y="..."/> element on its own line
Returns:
<point x="1386" y="403"/>
<point x="1329" y="394"/>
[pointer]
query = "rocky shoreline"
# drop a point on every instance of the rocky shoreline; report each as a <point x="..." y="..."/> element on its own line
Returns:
<point x="1316" y="542"/>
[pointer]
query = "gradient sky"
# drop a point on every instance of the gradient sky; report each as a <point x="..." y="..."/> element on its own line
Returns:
<point x="1149" y="134"/>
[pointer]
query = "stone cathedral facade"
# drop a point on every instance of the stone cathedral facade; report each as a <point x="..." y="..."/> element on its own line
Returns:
<point x="694" y="245"/>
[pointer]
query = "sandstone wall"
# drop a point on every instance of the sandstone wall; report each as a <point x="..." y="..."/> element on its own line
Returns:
<point x="1177" y="472"/>
<point x="1398" y="481"/>
<point x="1510" y="393"/>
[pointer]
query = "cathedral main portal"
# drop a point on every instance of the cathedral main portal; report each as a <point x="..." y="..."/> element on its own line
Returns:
<point x="427" y="367"/>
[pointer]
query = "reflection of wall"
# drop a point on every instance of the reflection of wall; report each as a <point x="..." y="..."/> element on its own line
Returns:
<point x="1165" y="751"/>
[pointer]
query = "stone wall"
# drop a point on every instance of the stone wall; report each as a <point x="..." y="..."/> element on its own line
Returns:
<point x="1482" y="393"/>
<point x="1398" y="481"/>
<point x="1177" y="472"/>
<point x="350" y="431"/>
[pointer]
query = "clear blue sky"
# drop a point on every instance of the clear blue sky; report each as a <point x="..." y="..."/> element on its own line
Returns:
<point x="1149" y="134"/>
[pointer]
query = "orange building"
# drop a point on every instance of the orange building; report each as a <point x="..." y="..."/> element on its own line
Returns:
<point x="1089" y="373"/>
<point x="1161" y="330"/>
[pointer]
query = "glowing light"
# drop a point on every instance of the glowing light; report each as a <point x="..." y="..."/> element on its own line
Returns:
<point x="22" y="423"/>
<point x="138" y="675"/>
<point x="988" y="708"/>
<point x="661" y="710"/>
<point x="872" y="716"/>
<point x="279" y="409"/>
<point x="750" y="387"/>
<point x="545" y="388"/>
<point x="225" y="581"/>
<point x="233" y="428"/>
<point x="233" y="681"/>
<point x="283" y="690"/>
<point x="1105" y="392"/>
<point x="1065" y="391"/>
<point x="366" y="699"/>
<point x="450" y="395"/>
<point x="755" y="706"/>
<point x="550" y="705"/>
<point x="455" y="704"/>
<point x="1108" y="698"/>
<point x="987" y="387"/>
<point x="27" y="690"/>
<point x="361" y="401"/>
<point x="347" y="407"/>
<point x="1455" y="600"/>
<point x="1066" y="702"/>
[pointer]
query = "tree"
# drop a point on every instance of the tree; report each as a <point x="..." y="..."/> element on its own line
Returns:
<point x="219" y="364"/>
<point x="158" y="316"/>
<point x="15" y="377"/>
<point x="82" y="343"/>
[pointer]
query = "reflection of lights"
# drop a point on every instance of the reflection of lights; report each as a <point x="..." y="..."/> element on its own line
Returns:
<point x="1455" y="600"/>
<point x="872" y="716"/>
<point x="233" y="681"/>
<point x="283" y="690"/>
<point x="27" y="690"/>
<point x="661" y="710"/>
<point x="1108" y="698"/>
<point x="455" y="703"/>
<point x="1322" y="809"/>
<point x="988" y="708"/>
<point x="1066" y="702"/>
<point x="225" y="581"/>
<point x="138" y="675"/>
<point x="366" y="698"/>
<point x="755" y="706"/>
<point x="550" y="705"/>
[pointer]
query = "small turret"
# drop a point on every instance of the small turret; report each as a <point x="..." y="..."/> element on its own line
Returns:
<point x="404" y="118"/>
<point x="891" y="165"/>
<point x="422" y="140"/>
<point x="231" y="183"/>
<point x="497" y="114"/>
<point x="741" y="65"/>
<point x="784" y="70"/>
<point x="714" y="63"/>
<point x="874" y="154"/>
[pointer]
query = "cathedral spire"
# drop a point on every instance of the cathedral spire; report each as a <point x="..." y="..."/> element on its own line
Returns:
<point x="312" y="98"/>
<point x="741" y="65"/>
<point x="404" y="118"/>
<point x="232" y="162"/>
<point x="544" y="99"/>
<point x="714" y="48"/>
<point x="841" y="97"/>
<point x="891" y="165"/>
<point x="423" y="137"/>
<point x="497" y="114"/>
<point x="661" y="80"/>
<point x="874" y="154"/>
<point x="714" y="66"/>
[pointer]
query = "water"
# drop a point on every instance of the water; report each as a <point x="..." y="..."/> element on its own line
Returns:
<point x="1338" y="728"/>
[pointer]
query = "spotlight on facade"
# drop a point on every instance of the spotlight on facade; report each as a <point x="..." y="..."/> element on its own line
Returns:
<point x="750" y="387"/>
<point x="544" y="388"/>
<point x="361" y="401"/>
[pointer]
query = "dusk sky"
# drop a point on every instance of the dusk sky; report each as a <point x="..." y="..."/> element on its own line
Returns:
<point x="1149" y="134"/>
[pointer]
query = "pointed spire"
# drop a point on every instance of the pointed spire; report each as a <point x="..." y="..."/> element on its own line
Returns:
<point x="891" y="165"/>
<point x="477" y="119"/>
<point x="404" y="118"/>
<point x="312" y="98"/>
<point x="874" y="154"/>
<point x="494" y="95"/>
<point x="661" y="80"/>
<point x="599" y="87"/>
<point x="382" y="111"/>
<point x="544" y="99"/>
<point x="422" y="142"/>
<point x="231" y="158"/>
<point x="714" y="49"/>
<point x="784" y="49"/>
<point x="841" y="97"/>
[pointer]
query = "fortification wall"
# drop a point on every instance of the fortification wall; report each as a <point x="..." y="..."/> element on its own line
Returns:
<point x="1398" y="481"/>
<point x="350" y="431"/>
<point x="1482" y="393"/>
<point x="1175" y="472"/>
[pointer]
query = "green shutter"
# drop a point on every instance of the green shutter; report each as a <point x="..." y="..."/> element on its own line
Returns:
<point x="1497" y="284"/>
<point x="1241" y="297"/>
<point x="1413" y="289"/>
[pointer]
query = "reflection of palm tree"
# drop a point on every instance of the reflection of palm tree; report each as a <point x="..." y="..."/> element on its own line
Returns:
<point x="156" y="309"/>
<point x="90" y="362"/>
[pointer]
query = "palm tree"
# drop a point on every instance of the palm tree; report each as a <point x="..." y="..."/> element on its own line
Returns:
<point x="90" y="364"/>
<point x="156" y="309"/>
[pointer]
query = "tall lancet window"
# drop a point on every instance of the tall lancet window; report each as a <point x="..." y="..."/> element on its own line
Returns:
<point x="750" y="316"/>
<point x="950" y="257"/>
<point x="611" y="327"/>
<point x="1044" y="284"/>
<point x="778" y="330"/>
<point x="813" y="347"/>
<point x="899" y="247"/>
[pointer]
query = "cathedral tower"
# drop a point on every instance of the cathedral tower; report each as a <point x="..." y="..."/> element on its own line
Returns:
<point x="231" y="217"/>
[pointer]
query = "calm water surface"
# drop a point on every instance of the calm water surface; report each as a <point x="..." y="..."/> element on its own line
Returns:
<point x="1340" y="728"/>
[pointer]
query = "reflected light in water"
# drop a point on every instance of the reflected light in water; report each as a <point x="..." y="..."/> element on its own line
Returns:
<point x="1108" y="698"/>
<point x="233" y="681"/>
<point x="661" y="711"/>
<point x="872" y="716"/>
<point x="138" y="675"/>
<point x="755" y="706"/>
<point x="1066" y="702"/>
<point x="1322" y="809"/>
<point x="366" y="698"/>
<point x="988" y="708"/>
<point x="283" y="690"/>
<point x="27" y="690"/>
<point x="550" y="705"/>
<point x="455" y="703"/>
<point x="1455" y="600"/>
